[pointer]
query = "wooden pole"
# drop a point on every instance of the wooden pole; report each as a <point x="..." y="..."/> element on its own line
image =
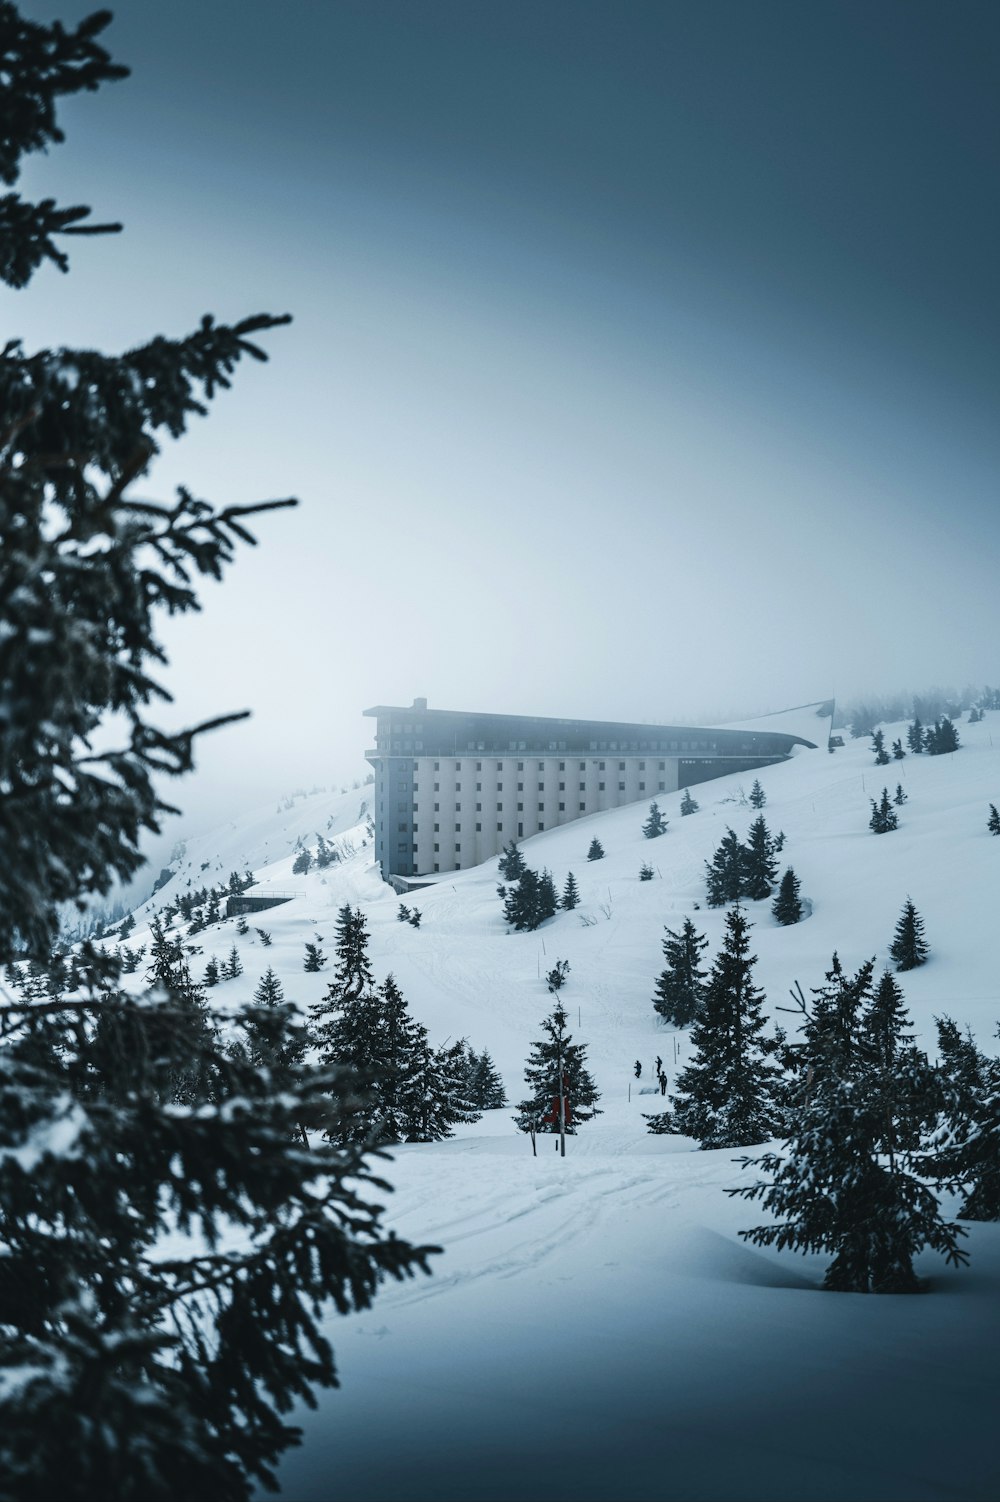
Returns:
<point x="562" y="1107"/>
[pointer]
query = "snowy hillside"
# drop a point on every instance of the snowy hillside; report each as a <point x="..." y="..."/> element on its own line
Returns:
<point x="604" y="1306"/>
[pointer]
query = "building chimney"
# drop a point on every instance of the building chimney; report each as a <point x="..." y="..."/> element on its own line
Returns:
<point x="420" y="703"/>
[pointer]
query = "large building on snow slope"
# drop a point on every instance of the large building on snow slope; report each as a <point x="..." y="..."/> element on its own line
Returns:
<point x="452" y="788"/>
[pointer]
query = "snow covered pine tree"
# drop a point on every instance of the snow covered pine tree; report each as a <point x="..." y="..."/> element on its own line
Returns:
<point x="127" y="1371"/>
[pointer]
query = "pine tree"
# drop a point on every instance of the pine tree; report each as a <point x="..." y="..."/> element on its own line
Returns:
<point x="883" y="818"/>
<point x="655" y="824"/>
<point x="787" y="906"/>
<point x="556" y="1053"/>
<point x="680" y="988"/>
<point x="403" y="913"/>
<point x="646" y="872"/>
<point x="315" y="959"/>
<point x="530" y="901"/>
<point x="878" y="746"/>
<point x="570" y="895"/>
<point x="899" y="797"/>
<point x="242" y="926"/>
<point x="415" y="917"/>
<point x="596" y="850"/>
<point x="760" y="868"/>
<point x="511" y="862"/>
<point x="233" y="966"/>
<point x="758" y="797"/>
<point x="897" y="750"/>
<point x="909" y="948"/>
<point x="151" y="1377"/>
<point x="688" y="804"/>
<point x="438" y="1093"/>
<point x="302" y="863"/>
<point x="724" y="873"/>
<point x="212" y="976"/>
<point x="915" y="737"/>
<point x="353" y="979"/>
<point x="942" y="739"/>
<point x="728" y="1096"/>
<point x="993" y="823"/>
<point x="548" y="902"/>
<point x="265" y="937"/>
<point x="779" y="842"/>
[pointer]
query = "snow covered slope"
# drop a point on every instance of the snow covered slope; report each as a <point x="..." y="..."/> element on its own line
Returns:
<point x="595" y="1327"/>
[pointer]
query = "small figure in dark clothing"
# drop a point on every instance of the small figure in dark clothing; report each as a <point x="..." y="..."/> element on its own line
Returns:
<point x="659" y="1066"/>
<point x="638" y="1069"/>
<point x="662" y="1081"/>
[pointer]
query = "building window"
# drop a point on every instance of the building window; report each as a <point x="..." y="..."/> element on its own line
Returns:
<point x="642" y="766"/>
<point x="499" y="808"/>
<point x="541" y="808"/>
<point x="663" y="787"/>
<point x="520" y="766"/>
<point x="583" y="766"/>
<point x="458" y="829"/>
<point x="458" y="865"/>
<point x="458" y="848"/>
<point x="479" y="766"/>
<point x="642" y="787"/>
<point x="562" y="808"/>
<point x="499" y="828"/>
<point x="479" y="829"/>
<point x="621" y="766"/>
<point x="436" y="828"/>
<point x="621" y="787"/>
<point x="499" y="766"/>
<point x="458" y="808"/>
<point x="520" y="787"/>
<point x="562" y="787"/>
<point x="541" y="787"/>
<point x="583" y="787"/>
<point x="520" y="831"/>
<point x="458" y="766"/>
<point x="479" y="787"/>
<point x="403" y="828"/>
<point x="562" y="766"/>
<point x="437" y="787"/>
<point x="541" y="764"/>
<point x="540" y="825"/>
<point x="437" y="766"/>
<point x="416" y="788"/>
<point x="437" y="808"/>
<point x="458" y="787"/>
<point x="583" y="808"/>
<point x="600" y="785"/>
<point x="436" y="866"/>
<point x="479" y="808"/>
<point x="663" y="766"/>
<point x="520" y="808"/>
<point x="436" y="848"/>
<point x="600" y="766"/>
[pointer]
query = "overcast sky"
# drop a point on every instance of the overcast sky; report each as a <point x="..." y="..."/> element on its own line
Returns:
<point x="645" y="356"/>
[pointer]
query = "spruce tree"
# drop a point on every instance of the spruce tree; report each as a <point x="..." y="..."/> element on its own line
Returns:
<point x="915" y="737"/>
<point x="570" y="894"/>
<point x="899" y="797"/>
<point x="728" y="1096"/>
<point x="149" y="1365"/>
<point x="655" y="824"/>
<point x="596" y="850"/>
<point x="878" y="746"/>
<point x="724" y="873"/>
<point x="302" y="863"/>
<point x="315" y="959"/>
<point x="557" y="1052"/>
<point x="511" y="862"/>
<point x="897" y="750"/>
<point x="212" y="976"/>
<point x="909" y="947"/>
<point x="233" y="965"/>
<point x="438" y="1095"/>
<point x="760" y="868"/>
<point x="787" y="906"/>
<point x="680" y="988"/>
<point x="486" y="1084"/>
<point x="993" y="822"/>
<point x="833" y="1192"/>
<point x="758" y="797"/>
<point x="965" y="1152"/>
<point x="688" y="804"/>
<point x="548" y="902"/>
<point x="883" y="818"/>
<point x="646" y="872"/>
<point x="556" y="977"/>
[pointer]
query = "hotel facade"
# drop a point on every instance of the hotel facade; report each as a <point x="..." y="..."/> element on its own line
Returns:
<point x="452" y="788"/>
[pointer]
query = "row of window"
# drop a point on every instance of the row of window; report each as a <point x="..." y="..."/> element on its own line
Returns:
<point x="542" y="766"/>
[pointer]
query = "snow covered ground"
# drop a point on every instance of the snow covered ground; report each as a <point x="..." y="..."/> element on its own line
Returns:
<point x="594" y="1327"/>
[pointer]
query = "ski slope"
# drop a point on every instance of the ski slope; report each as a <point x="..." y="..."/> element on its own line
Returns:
<point x="595" y="1328"/>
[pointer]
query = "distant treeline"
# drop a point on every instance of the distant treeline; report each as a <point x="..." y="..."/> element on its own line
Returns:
<point x="862" y="715"/>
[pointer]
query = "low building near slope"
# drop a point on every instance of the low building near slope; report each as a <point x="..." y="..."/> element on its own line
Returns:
<point x="452" y="788"/>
